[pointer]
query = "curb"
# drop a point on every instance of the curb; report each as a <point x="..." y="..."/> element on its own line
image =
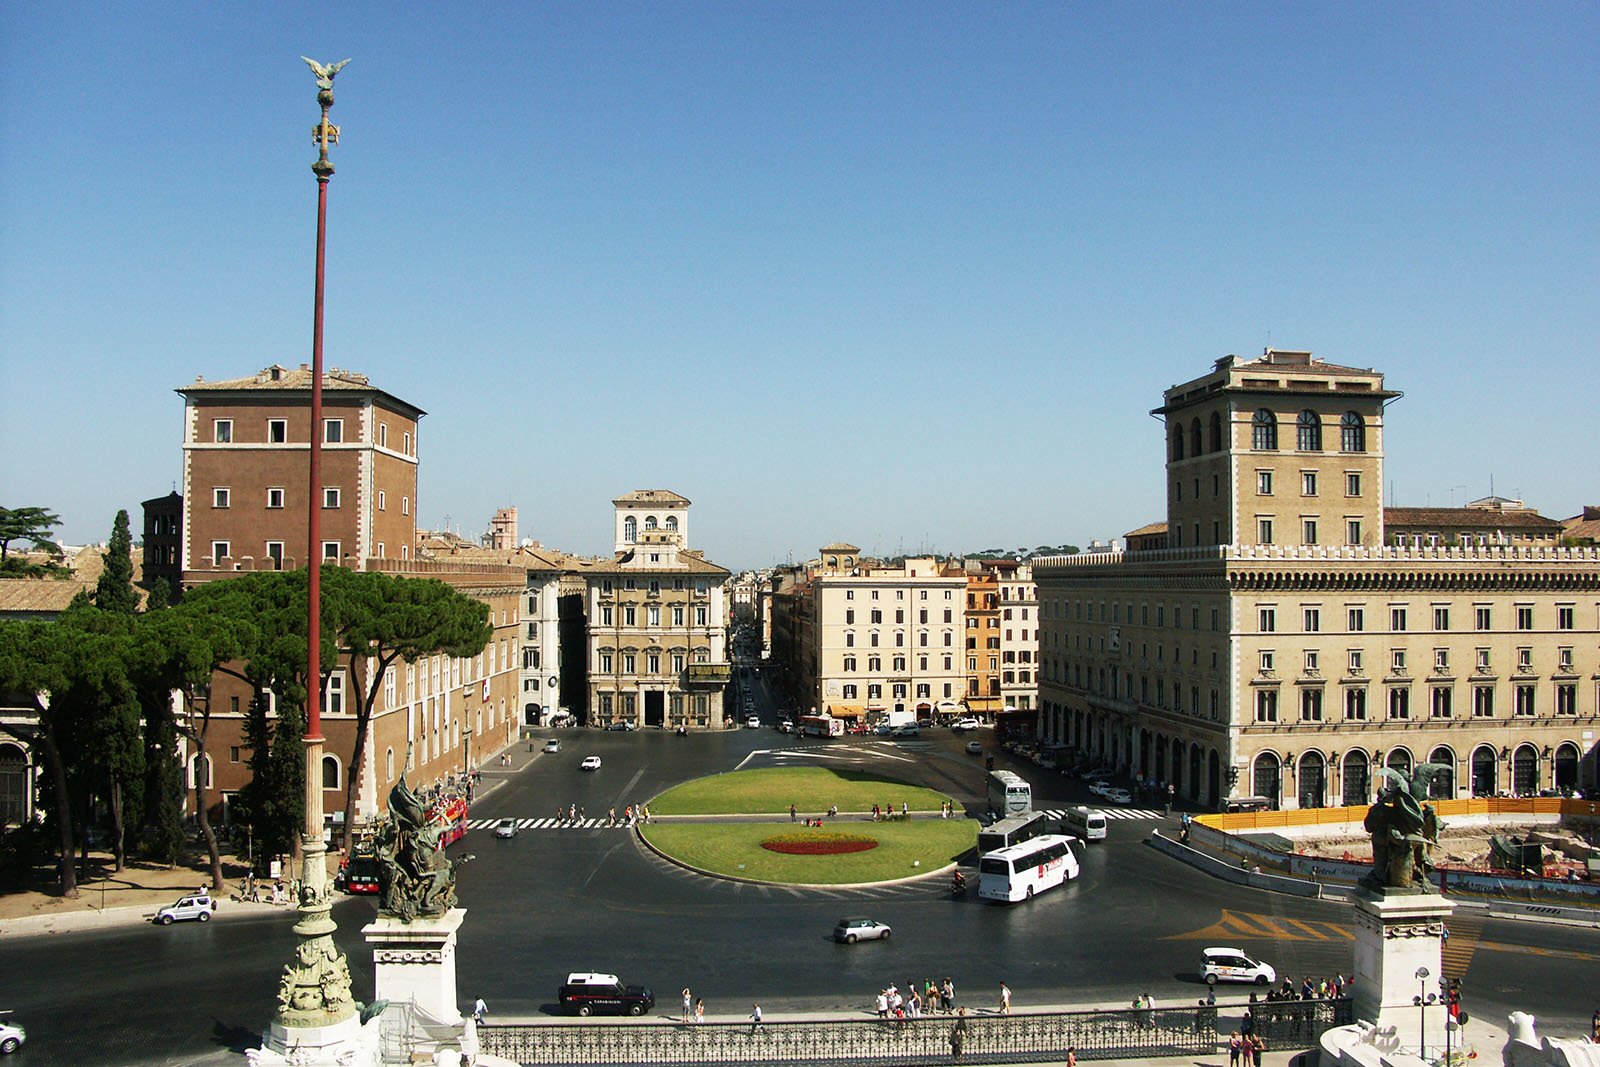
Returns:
<point x="638" y="833"/>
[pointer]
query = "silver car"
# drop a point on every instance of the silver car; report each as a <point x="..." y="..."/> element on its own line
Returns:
<point x="855" y="928"/>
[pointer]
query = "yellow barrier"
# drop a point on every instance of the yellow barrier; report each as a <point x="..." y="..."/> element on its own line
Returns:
<point x="1277" y="820"/>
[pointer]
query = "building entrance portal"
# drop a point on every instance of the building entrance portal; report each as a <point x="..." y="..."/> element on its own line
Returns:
<point x="655" y="708"/>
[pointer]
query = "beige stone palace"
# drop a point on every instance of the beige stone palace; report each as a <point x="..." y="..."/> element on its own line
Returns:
<point x="1277" y="646"/>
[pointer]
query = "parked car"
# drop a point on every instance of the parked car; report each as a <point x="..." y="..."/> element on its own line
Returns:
<point x="552" y="745"/>
<point x="905" y="730"/>
<point x="1118" y="796"/>
<point x="620" y="724"/>
<point x="11" y="1035"/>
<point x="855" y="928"/>
<point x="590" y="763"/>
<point x="586" y="993"/>
<point x="196" y="906"/>
<point x="753" y="722"/>
<point x="1232" y="965"/>
<point x="964" y="724"/>
<point x="1045" y="760"/>
<point x="1099" y="787"/>
<point x="505" y="829"/>
<point x="975" y="748"/>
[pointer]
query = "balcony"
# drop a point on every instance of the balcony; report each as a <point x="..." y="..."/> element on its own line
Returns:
<point x="707" y="674"/>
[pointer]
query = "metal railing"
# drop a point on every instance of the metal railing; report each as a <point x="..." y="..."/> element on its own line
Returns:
<point x="1021" y="1038"/>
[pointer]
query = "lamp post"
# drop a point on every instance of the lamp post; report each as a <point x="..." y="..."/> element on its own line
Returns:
<point x="315" y="1008"/>
<point x="1422" y="1000"/>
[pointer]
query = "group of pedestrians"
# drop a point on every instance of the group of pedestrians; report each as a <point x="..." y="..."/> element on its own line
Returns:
<point x="1244" y="1050"/>
<point x="916" y="1001"/>
<point x="1311" y="988"/>
<point x="694" y="1008"/>
<point x="886" y="812"/>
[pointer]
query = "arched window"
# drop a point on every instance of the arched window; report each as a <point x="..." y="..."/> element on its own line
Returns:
<point x="672" y="522"/>
<point x="388" y="764"/>
<point x="1444" y="782"/>
<point x="330" y="772"/>
<point x="1177" y="442"/>
<point x="1308" y="432"/>
<point x="649" y="522"/>
<point x="630" y="529"/>
<point x="200" y="772"/>
<point x="1216" y="432"/>
<point x="1195" y="442"/>
<point x="1264" y="431"/>
<point x="1352" y="433"/>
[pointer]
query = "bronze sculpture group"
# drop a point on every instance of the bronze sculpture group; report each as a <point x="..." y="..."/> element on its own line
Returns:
<point x="1405" y="831"/>
<point x="415" y="879"/>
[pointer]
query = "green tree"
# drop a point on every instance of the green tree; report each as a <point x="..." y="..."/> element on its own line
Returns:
<point x="114" y="591"/>
<point x="28" y="524"/>
<point x="380" y="618"/>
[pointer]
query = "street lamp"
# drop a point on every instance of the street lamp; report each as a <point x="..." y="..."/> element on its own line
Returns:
<point x="1422" y="1000"/>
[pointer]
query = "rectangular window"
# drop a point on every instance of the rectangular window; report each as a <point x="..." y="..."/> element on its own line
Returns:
<point x="1308" y="529"/>
<point x="628" y="663"/>
<point x="1263" y="483"/>
<point x="383" y="435"/>
<point x="605" y="615"/>
<point x="277" y="431"/>
<point x="1266" y="705"/>
<point x="1397" y="661"/>
<point x="1564" y="614"/>
<point x="1397" y="619"/>
<point x="1264" y="531"/>
<point x="1269" y="619"/>
<point x="1441" y="661"/>
<point x="333" y="431"/>
<point x="1311" y="705"/>
<point x="653" y="663"/>
<point x="222" y="431"/>
<point x="1267" y="661"/>
<point x="275" y="554"/>
<point x="630" y="615"/>
<point x="1482" y="617"/>
<point x="1356" y="619"/>
<point x="220" y="497"/>
<point x="1313" y="620"/>
<point x="1524" y="616"/>
<point x="1355" y="704"/>
<point x="405" y="505"/>
<point x="1524" y="701"/>
<point x="1524" y="660"/>
<point x="330" y="551"/>
<point x="1483" y="660"/>
<point x="1352" y="483"/>
<point x="1356" y="663"/>
<point x="1439" y="702"/>
<point x="1313" y="662"/>
<point x="700" y="616"/>
<point x="381" y="500"/>
<point x="1308" y="483"/>
<point x="1566" y="699"/>
<point x="605" y="663"/>
<point x="220" y="550"/>
<point x="1564" y="660"/>
<point x="405" y="446"/>
<point x="330" y="497"/>
<point x="1441" y="618"/>
<point x="1352" y="531"/>
<point x="1483" y="702"/>
<point x="1399" y="703"/>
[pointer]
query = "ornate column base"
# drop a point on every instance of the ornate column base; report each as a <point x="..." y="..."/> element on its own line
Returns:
<point x="1396" y="934"/>
<point x="342" y="1044"/>
<point x="415" y="963"/>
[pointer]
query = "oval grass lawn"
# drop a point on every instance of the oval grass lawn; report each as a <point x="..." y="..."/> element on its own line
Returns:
<point x="734" y="849"/>
<point x="812" y="790"/>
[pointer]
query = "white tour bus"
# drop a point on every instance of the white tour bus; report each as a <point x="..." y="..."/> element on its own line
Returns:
<point x="1018" y="872"/>
<point x="1009" y="794"/>
<point x="821" y="726"/>
<point x="1085" y="823"/>
<point x="1014" y="831"/>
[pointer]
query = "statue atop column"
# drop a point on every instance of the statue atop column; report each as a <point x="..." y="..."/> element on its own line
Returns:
<point x="415" y="879"/>
<point x="1405" y="831"/>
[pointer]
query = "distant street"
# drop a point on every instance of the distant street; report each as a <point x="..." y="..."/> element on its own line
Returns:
<point x="554" y="900"/>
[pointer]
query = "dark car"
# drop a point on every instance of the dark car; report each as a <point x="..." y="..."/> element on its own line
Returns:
<point x="620" y="724"/>
<point x="603" y="994"/>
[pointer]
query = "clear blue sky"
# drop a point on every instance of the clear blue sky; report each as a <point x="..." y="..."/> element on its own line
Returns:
<point x="908" y="275"/>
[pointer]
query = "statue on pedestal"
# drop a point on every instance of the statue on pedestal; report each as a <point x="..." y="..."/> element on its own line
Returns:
<point x="1404" y="829"/>
<point x="415" y="880"/>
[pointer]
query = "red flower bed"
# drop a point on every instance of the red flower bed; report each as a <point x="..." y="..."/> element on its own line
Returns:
<point x="818" y="844"/>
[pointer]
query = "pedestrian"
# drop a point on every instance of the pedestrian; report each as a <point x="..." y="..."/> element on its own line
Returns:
<point x="611" y="816"/>
<point x="874" y="813"/>
<point x="930" y="996"/>
<point x="915" y="1002"/>
<point x="1257" y="1047"/>
<point x="905" y="810"/>
<point x="755" y="1019"/>
<point x="1247" y="1025"/>
<point x="792" y="813"/>
<point x="1072" y="1056"/>
<point x="958" y="1035"/>
<point x="479" y="1010"/>
<point x="947" y="995"/>
<point x="699" y="1009"/>
<point x="1005" y="999"/>
<point x="688" y="1003"/>
<point x="883" y="1004"/>
<point x="1235" y="1046"/>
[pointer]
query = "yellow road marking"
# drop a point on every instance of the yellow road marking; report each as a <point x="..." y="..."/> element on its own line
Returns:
<point x="1234" y="924"/>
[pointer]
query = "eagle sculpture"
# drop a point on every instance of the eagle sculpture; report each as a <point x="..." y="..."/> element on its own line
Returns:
<point x="325" y="74"/>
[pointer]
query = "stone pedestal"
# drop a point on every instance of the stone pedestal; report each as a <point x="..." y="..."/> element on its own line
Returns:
<point x="346" y="1043"/>
<point x="1396" y="935"/>
<point x="415" y="963"/>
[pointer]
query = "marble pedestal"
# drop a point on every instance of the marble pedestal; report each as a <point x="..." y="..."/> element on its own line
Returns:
<point x="1396" y="936"/>
<point x="415" y="963"/>
<point x="346" y="1043"/>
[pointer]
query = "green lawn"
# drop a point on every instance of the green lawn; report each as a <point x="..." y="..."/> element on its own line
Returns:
<point x="811" y="789"/>
<point x="735" y="849"/>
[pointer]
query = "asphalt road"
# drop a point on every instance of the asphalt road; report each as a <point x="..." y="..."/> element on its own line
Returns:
<point x="552" y="901"/>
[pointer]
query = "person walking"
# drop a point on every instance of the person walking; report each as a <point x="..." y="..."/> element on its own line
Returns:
<point x="755" y="1018"/>
<point x="1257" y="1047"/>
<point x="958" y="1035"/>
<point x="688" y="1003"/>
<point x="1005" y="999"/>
<point x="792" y="813"/>
<point x="1247" y="1026"/>
<point x="479" y="1010"/>
<point x="947" y="995"/>
<point x="1072" y="1056"/>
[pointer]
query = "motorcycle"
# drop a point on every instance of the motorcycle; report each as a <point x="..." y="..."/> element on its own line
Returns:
<point x="958" y="886"/>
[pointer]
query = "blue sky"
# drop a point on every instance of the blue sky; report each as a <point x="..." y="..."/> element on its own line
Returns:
<point x="907" y="275"/>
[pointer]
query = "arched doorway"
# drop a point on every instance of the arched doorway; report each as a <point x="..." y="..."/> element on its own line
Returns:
<point x="1214" y="779"/>
<point x="1525" y="771"/>
<point x="1312" y="776"/>
<point x="1161" y="757"/>
<point x="1356" y="779"/>
<point x="1177" y="768"/>
<point x="1566" y="766"/>
<point x="1194" y="771"/>
<point x="1444" y="782"/>
<point x="1399" y="761"/>
<point x="1144" y="753"/>
<point x="1485" y="776"/>
<point x="1266" y="776"/>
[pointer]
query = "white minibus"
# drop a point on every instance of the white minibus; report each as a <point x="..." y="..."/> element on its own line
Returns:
<point x="1085" y="823"/>
<point x="1018" y="872"/>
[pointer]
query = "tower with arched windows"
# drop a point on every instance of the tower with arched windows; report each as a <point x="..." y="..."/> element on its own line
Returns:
<point x="1284" y="449"/>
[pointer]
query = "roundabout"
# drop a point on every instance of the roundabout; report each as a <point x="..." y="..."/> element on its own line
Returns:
<point x="721" y="825"/>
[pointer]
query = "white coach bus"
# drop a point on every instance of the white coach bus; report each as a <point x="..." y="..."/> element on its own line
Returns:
<point x="1009" y="794"/>
<point x="1018" y="872"/>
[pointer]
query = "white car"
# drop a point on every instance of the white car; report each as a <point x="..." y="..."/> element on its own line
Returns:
<point x="552" y="745"/>
<point x="196" y="906"/>
<point x="1099" y="787"/>
<point x="1118" y="796"/>
<point x="752" y="723"/>
<point x="1232" y="965"/>
<point x="855" y="928"/>
<point x="505" y="829"/>
<point x="964" y="724"/>
<point x="975" y="748"/>
<point x="11" y="1035"/>
<point x="590" y="763"/>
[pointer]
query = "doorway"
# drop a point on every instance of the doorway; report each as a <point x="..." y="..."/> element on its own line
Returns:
<point x="655" y="708"/>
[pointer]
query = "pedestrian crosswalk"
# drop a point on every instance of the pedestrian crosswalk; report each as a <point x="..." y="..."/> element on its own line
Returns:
<point x="549" y="824"/>
<point x="1115" y="813"/>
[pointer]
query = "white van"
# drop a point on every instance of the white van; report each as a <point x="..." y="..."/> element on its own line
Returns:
<point x="1086" y="823"/>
